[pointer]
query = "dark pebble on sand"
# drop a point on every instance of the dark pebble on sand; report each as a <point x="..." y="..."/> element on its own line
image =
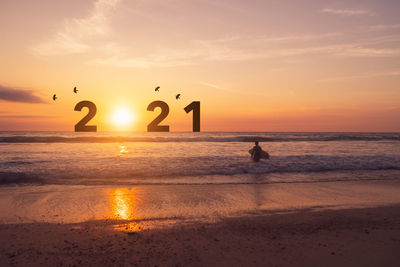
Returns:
<point x="11" y="255"/>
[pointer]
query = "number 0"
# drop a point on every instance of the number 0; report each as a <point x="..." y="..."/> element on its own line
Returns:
<point x="195" y="106"/>
<point x="81" y="125"/>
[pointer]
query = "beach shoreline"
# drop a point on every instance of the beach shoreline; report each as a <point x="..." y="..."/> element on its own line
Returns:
<point x="346" y="237"/>
<point x="208" y="202"/>
<point x="335" y="223"/>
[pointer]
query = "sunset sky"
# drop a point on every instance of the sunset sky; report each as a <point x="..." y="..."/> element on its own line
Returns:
<point x="255" y="65"/>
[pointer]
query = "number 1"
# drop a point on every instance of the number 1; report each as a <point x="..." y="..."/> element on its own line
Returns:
<point x="195" y="106"/>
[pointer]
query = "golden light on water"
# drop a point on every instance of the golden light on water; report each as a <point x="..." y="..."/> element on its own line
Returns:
<point x="123" y="203"/>
<point x="123" y="149"/>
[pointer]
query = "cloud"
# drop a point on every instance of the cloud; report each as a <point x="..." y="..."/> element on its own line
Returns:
<point x="78" y="35"/>
<point x="219" y="88"/>
<point x="199" y="51"/>
<point x="240" y="49"/>
<point x="17" y="95"/>
<point x="359" y="51"/>
<point x="162" y="58"/>
<point x="307" y="37"/>
<point x="26" y="117"/>
<point x="348" y="12"/>
<point x="92" y="33"/>
<point x="211" y="85"/>
<point x="384" y="27"/>
<point x="361" y="76"/>
<point x="228" y="90"/>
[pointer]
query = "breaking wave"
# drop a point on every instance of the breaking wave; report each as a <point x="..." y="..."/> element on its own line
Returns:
<point x="143" y="170"/>
<point x="203" y="138"/>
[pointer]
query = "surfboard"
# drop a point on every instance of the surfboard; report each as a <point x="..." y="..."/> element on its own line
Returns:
<point x="263" y="154"/>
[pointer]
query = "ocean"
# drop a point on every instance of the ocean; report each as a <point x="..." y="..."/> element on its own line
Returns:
<point x="41" y="158"/>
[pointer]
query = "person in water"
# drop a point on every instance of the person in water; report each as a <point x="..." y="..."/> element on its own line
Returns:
<point x="257" y="153"/>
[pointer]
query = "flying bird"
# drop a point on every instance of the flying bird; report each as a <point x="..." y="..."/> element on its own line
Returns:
<point x="157" y="89"/>
<point x="54" y="97"/>
<point x="178" y="96"/>
<point x="75" y="90"/>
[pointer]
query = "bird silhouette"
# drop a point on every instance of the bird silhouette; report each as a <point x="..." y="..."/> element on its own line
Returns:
<point x="157" y="89"/>
<point x="54" y="97"/>
<point x="75" y="90"/>
<point x="178" y="96"/>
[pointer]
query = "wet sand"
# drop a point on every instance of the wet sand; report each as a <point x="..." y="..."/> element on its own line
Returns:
<point x="350" y="237"/>
<point x="73" y="204"/>
<point x="310" y="224"/>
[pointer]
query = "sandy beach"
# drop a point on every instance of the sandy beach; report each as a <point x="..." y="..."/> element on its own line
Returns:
<point x="322" y="224"/>
<point x="350" y="237"/>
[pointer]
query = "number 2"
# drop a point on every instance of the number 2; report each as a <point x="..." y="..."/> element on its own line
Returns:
<point x="81" y="125"/>
<point x="153" y="126"/>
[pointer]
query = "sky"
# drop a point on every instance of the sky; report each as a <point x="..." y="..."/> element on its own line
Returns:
<point x="254" y="65"/>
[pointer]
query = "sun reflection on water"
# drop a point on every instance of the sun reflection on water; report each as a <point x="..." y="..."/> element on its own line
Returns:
<point x="123" y="203"/>
<point x="123" y="149"/>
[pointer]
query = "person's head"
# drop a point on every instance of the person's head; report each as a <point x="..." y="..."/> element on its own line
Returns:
<point x="256" y="142"/>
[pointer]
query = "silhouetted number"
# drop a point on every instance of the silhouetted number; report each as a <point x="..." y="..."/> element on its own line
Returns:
<point x="81" y="125"/>
<point x="153" y="126"/>
<point x="195" y="106"/>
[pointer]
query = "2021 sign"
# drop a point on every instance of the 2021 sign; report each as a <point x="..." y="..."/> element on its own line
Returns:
<point x="153" y="126"/>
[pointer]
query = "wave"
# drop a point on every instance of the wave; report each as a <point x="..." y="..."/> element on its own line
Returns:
<point x="238" y="138"/>
<point x="7" y="178"/>
<point x="142" y="170"/>
<point x="13" y="179"/>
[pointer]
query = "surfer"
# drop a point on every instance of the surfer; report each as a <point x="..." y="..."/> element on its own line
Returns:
<point x="257" y="153"/>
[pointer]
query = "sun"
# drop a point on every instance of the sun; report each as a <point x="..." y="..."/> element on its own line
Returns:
<point x="123" y="117"/>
